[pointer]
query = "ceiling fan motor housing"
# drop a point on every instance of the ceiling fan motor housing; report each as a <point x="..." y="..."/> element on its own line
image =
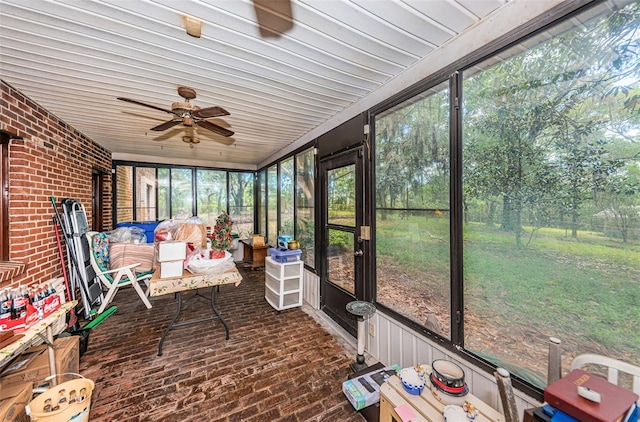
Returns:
<point x="181" y="108"/>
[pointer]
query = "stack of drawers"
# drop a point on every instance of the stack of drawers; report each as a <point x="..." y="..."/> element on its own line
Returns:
<point x="283" y="283"/>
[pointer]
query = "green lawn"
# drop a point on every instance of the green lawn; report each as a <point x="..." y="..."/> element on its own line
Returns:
<point x="586" y="288"/>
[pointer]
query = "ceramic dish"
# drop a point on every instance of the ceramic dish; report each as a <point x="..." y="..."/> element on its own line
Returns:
<point x="454" y="413"/>
<point x="450" y="376"/>
<point x="412" y="381"/>
<point x="448" y="398"/>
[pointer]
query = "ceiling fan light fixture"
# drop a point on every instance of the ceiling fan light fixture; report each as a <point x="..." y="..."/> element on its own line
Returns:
<point x="193" y="26"/>
<point x="191" y="140"/>
<point x="187" y="121"/>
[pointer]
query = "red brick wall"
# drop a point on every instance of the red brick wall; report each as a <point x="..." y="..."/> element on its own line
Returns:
<point x="52" y="159"/>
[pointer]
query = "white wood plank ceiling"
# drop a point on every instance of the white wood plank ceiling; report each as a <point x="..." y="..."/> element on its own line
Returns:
<point x="75" y="58"/>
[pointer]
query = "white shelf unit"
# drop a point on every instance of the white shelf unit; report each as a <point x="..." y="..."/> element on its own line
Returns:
<point x="283" y="283"/>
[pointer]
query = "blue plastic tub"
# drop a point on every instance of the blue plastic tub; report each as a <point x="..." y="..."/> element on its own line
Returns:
<point x="285" y="256"/>
<point x="149" y="227"/>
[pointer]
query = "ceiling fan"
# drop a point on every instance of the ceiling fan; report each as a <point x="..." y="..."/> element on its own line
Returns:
<point x="188" y="114"/>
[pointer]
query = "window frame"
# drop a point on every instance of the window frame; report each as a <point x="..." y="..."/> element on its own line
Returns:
<point x="158" y="166"/>
<point x="454" y="73"/>
<point x="5" y="138"/>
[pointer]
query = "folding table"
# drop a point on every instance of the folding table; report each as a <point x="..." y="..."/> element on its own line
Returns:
<point x="189" y="281"/>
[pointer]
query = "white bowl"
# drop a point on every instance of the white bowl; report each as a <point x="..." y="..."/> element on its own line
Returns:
<point x="446" y="399"/>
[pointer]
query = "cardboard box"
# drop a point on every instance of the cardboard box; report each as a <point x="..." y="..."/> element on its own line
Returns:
<point x="13" y="402"/>
<point x="615" y="400"/>
<point x="364" y="390"/>
<point x="21" y="325"/>
<point x="257" y="240"/>
<point x="170" y="269"/>
<point x="33" y="365"/>
<point x="172" y="250"/>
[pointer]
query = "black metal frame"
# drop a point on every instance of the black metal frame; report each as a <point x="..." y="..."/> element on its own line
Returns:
<point x="173" y="325"/>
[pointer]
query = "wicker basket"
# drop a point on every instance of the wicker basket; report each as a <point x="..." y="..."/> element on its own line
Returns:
<point x="74" y="408"/>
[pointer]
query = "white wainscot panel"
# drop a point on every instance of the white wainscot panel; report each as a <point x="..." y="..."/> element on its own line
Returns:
<point x="393" y="343"/>
<point x="311" y="289"/>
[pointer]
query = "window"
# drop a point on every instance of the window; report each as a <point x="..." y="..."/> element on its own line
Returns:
<point x="145" y="193"/>
<point x="162" y="193"/>
<point x="412" y="209"/>
<point x="305" y="205"/>
<point x="289" y="188"/>
<point x="261" y="225"/>
<point x="212" y="195"/>
<point x="241" y="202"/>
<point x="124" y="194"/>
<point x="272" y="205"/>
<point x="181" y="193"/>
<point x="543" y="233"/>
<point x="287" y="185"/>
<point x="552" y="210"/>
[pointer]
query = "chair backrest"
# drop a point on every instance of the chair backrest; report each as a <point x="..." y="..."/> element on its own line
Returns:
<point x="613" y="366"/>
<point x="99" y="253"/>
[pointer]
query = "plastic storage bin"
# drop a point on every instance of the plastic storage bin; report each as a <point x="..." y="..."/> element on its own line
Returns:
<point x="283" y="284"/>
<point x="149" y="227"/>
<point x="285" y="256"/>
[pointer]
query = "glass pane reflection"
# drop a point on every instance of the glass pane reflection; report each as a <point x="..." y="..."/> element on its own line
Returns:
<point x="340" y="260"/>
<point x="341" y="184"/>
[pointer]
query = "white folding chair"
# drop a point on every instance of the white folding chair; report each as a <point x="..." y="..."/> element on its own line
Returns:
<point x="124" y="276"/>
<point x="613" y="366"/>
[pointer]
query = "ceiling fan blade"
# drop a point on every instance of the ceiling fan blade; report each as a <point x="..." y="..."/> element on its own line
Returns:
<point x="167" y="125"/>
<point x="144" y="104"/>
<point x="214" y="128"/>
<point x="274" y="17"/>
<point x="205" y="113"/>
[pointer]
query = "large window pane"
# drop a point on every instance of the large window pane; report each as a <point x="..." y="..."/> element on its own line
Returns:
<point x="286" y="197"/>
<point x="341" y="265"/>
<point x="272" y="205"/>
<point x="124" y="198"/>
<point x="412" y="209"/>
<point x="305" y="205"/>
<point x="342" y="202"/>
<point x="212" y="195"/>
<point x="241" y="202"/>
<point x="551" y="176"/>
<point x="145" y="194"/>
<point x="261" y="226"/>
<point x="181" y="193"/>
<point x="164" y="201"/>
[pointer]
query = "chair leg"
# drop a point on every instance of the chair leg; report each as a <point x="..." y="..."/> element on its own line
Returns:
<point x="508" y="399"/>
<point x="113" y="288"/>
<point x="138" y="289"/>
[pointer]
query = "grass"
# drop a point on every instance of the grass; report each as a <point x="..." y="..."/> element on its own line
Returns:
<point x="587" y="289"/>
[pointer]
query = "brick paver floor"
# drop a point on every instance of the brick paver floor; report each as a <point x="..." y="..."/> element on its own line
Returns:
<point x="275" y="366"/>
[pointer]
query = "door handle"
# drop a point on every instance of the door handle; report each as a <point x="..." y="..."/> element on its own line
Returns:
<point x="358" y="252"/>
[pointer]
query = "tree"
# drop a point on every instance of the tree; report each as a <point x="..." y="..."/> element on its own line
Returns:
<point x="536" y="124"/>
